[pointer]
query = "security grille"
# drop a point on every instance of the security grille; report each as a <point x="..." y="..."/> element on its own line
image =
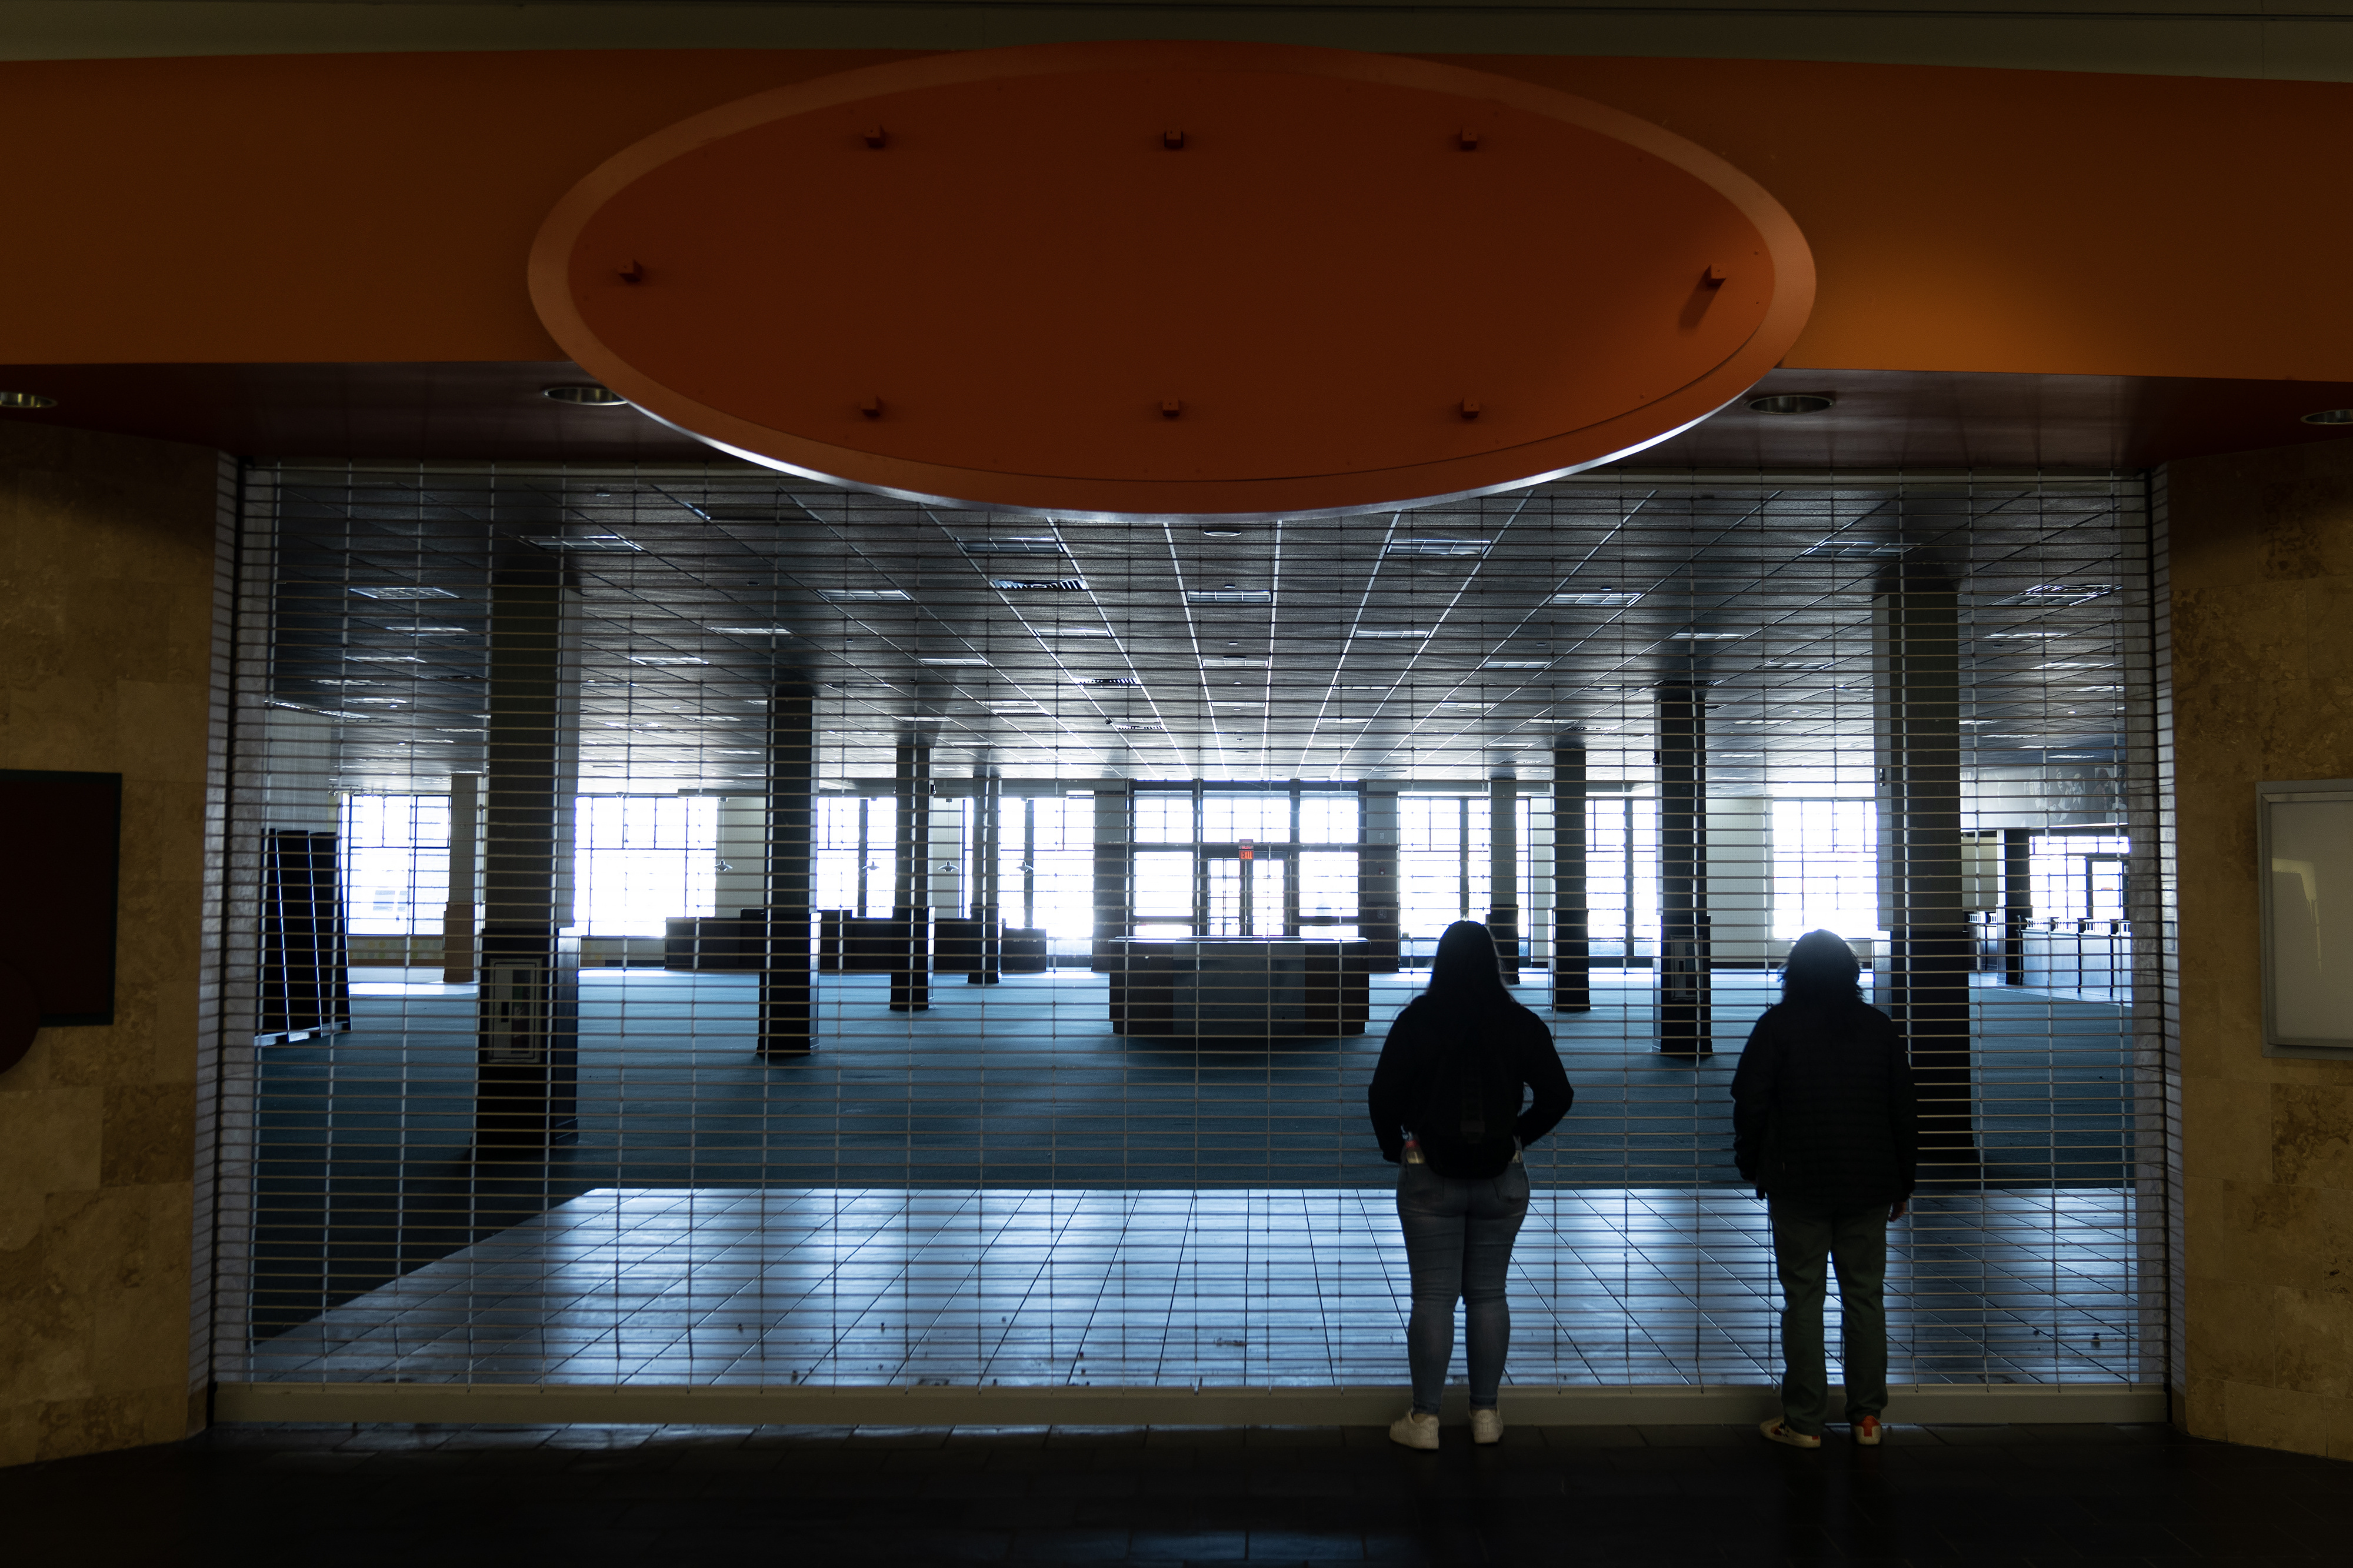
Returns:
<point x="749" y="938"/>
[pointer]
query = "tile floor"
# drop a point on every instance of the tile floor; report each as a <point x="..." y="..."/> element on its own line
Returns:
<point x="839" y="1285"/>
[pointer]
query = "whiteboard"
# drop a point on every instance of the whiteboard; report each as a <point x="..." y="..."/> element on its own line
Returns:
<point x="2304" y="841"/>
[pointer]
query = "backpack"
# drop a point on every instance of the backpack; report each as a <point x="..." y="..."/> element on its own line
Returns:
<point x="1470" y="1103"/>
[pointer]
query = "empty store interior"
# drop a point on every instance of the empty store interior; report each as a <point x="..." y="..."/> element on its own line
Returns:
<point x="714" y="929"/>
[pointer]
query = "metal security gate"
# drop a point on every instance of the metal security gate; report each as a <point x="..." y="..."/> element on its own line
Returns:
<point x="800" y="940"/>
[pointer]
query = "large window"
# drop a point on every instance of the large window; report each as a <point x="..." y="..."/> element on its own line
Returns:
<point x="395" y="863"/>
<point x="640" y="859"/>
<point x="856" y="853"/>
<point x="1621" y="876"/>
<point x="1825" y="868"/>
<point x="2078" y="877"/>
<point x="1253" y="862"/>
<point x="1046" y="868"/>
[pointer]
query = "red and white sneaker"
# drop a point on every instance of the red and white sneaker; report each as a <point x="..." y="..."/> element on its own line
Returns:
<point x="1867" y="1431"/>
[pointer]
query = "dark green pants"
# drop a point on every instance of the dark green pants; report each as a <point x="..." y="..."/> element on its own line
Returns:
<point x="1806" y="1244"/>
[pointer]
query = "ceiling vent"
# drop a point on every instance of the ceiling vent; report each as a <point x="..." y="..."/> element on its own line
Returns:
<point x="1039" y="585"/>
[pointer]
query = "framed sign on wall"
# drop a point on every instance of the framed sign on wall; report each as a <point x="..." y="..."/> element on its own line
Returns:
<point x="2305" y="846"/>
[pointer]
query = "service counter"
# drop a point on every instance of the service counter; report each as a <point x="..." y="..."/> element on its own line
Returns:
<point x="1247" y="988"/>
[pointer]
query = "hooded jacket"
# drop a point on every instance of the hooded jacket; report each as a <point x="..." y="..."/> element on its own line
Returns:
<point x="1824" y="1113"/>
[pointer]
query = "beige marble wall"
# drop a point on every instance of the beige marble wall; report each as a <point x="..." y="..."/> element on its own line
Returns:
<point x="2262" y="683"/>
<point x="106" y="613"/>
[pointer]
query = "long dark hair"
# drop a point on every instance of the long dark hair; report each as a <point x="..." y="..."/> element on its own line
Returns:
<point x="1467" y="971"/>
<point x="1821" y="969"/>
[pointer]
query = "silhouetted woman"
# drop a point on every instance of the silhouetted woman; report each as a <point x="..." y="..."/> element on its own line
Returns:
<point x="1824" y="1122"/>
<point x="1447" y="1104"/>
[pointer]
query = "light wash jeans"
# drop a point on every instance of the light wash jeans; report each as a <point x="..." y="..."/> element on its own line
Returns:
<point x="1458" y="1242"/>
<point x="1806" y="1244"/>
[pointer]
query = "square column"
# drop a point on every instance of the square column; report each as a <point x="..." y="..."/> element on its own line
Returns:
<point x="457" y="914"/>
<point x="1572" y="952"/>
<point x="1932" y="950"/>
<point x="911" y="899"/>
<point x="787" y="986"/>
<point x="988" y="806"/>
<point x="1376" y="877"/>
<point x="1685" y="1017"/>
<point x="526" y="1093"/>
<point x="1114" y="868"/>
<point x="1504" y="874"/>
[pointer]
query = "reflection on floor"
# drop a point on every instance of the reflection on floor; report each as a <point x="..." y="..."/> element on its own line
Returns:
<point x="1260" y="1287"/>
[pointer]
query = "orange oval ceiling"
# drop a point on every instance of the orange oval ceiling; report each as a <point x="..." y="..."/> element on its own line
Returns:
<point x="1172" y="279"/>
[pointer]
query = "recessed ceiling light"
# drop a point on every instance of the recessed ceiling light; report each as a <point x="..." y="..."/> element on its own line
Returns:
<point x="666" y="658"/>
<point x="1230" y="595"/>
<point x="1596" y="597"/>
<point x="1704" y="637"/>
<point x="1435" y="547"/>
<point x="608" y="544"/>
<point x="400" y="592"/>
<point x="382" y="659"/>
<point x="862" y="595"/>
<point x="1039" y="585"/>
<point x="2059" y="593"/>
<point x="589" y="396"/>
<point x="956" y="659"/>
<point x="754" y="631"/>
<point x="1221" y="533"/>
<point x="424" y="631"/>
<point x="2322" y="416"/>
<point x="1517" y="664"/>
<point x="1393" y="632"/>
<point x="26" y="400"/>
<point x="1793" y="403"/>
<point x="1028" y="545"/>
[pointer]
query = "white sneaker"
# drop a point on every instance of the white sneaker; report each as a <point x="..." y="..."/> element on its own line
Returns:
<point x="1486" y="1426"/>
<point x="1415" y="1429"/>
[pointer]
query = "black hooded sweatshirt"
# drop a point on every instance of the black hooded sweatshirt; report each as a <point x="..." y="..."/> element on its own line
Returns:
<point x="1411" y="1054"/>
<point x="1823" y="1115"/>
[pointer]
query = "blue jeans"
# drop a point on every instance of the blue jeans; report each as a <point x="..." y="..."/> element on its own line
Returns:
<point x="1807" y="1245"/>
<point x="1458" y="1243"/>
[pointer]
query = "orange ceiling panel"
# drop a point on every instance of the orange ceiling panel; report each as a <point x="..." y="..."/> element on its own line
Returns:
<point x="1173" y="278"/>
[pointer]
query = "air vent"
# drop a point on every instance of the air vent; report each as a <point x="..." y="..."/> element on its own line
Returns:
<point x="1021" y="545"/>
<point x="404" y="592"/>
<point x="862" y="595"/>
<point x="1112" y="681"/>
<point x="1229" y="596"/>
<point x="1595" y="598"/>
<point x="1426" y="547"/>
<point x="1039" y="585"/>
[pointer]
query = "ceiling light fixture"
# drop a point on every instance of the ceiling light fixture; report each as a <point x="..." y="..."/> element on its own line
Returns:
<point x="1412" y="547"/>
<point x="607" y="544"/>
<point x="1230" y="595"/>
<point x="1595" y="597"/>
<point x="754" y="631"/>
<point x="953" y="659"/>
<point x="666" y="658"/>
<point x="1793" y="403"/>
<point x="1039" y="585"/>
<point x="585" y="396"/>
<point x="2322" y="416"/>
<point x="862" y="595"/>
<point x="1221" y="533"/>
<point x="1393" y="632"/>
<point x="402" y="593"/>
<point x="1027" y="544"/>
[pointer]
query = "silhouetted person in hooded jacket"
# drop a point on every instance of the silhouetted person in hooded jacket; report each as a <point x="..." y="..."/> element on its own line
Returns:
<point x="1449" y="1103"/>
<point x="1825" y="1124"/>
